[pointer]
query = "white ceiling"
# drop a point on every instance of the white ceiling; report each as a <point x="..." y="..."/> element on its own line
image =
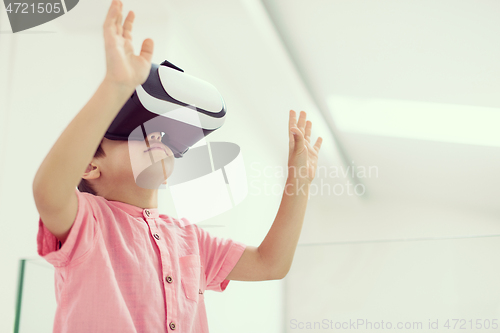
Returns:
<point x="436" y="51"/>
<point x="431" y="51"/>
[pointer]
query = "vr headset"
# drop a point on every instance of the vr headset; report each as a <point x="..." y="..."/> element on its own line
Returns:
<point x="186" y="109"/>
<point x="182" y="106"/>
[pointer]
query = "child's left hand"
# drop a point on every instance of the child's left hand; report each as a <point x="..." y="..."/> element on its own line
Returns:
<point x="302" y="156"/>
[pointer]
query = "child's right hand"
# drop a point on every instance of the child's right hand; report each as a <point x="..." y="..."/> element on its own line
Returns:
<point x="123" y="67"/>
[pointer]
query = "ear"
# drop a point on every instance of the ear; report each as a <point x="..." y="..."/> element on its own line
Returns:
<point x="92" y="172"/>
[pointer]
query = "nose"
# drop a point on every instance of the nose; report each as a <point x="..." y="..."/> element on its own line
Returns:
<point x="155" y="136"/>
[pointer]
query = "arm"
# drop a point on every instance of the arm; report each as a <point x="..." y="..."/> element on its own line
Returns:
<point x="273" y="258"/>
<point x="61" y="170"/>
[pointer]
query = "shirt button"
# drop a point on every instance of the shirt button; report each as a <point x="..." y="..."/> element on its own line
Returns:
<point x="156" y="236"/>
<point x="172" y="325"/>
<point x="169" y="279"/>
<point x="147" y="212"/>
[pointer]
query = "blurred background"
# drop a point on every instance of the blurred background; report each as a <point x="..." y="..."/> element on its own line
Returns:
<point x="402" y="225"/>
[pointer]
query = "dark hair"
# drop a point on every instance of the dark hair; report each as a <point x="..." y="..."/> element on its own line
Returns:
<point x="85" y="185"/>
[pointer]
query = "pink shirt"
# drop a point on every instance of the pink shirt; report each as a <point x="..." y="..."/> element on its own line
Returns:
<point x="126" y="269"/>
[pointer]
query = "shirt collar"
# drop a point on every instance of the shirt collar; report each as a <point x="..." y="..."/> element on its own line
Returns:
<point x="134" y="210"/>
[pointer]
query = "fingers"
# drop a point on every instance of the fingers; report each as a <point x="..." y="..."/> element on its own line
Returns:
<point x="291" y="142"/>
<point x="299" y="140"/>
<point x="127" y="25"/>
<point x="119" y="18"/>
<point x="111" y="16"/>
<point x="147" y="49"/>
<point x="292" y="120"/>
<point x="307" y="135"/>
<point x="317" y="145"/>
<point x="114" y="18"/>
<point x="112" y="11"/>
<point x="112" y="23"/>
<point x="302" y="121"/>
<point x="303" y="126"/>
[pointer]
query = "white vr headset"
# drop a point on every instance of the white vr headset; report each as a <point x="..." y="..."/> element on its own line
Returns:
<point x="186" y="109"/>
<point x="182" y="106"/>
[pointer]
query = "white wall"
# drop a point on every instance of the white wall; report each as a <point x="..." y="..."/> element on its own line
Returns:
<point x="412" y="283"/>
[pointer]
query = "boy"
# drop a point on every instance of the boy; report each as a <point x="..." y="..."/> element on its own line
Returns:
<point x="120" y="265"/>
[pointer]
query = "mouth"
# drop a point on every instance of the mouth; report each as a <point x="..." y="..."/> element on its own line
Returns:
<point x="163" y="149"/>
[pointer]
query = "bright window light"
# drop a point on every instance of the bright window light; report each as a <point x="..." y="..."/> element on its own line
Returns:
<point x="466" y="124"/>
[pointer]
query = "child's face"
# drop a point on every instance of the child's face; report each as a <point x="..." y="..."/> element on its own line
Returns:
<point x="147" y="163"/>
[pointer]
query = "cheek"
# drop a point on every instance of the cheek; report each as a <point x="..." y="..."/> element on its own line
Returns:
<point x="116" y="164"/>
<point x="137" y="159"/>
<point x="121" y="162"/>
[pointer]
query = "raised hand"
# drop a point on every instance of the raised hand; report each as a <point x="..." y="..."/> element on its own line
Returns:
<point x="122" y="65"/>
<point x="302" y="156"/>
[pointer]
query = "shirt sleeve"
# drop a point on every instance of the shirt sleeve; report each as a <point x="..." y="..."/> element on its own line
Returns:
<point x="80" y="240"/>
<point x="218" y="257"/>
